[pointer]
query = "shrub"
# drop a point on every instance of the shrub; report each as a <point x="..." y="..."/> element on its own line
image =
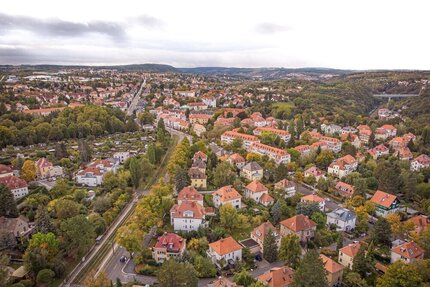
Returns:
<point x="45" y="276"/>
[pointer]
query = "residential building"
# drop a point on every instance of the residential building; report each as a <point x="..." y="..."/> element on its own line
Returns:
<point x="121" y="156"/>
<point x="347" y="254"/>
<point x="187" y="216"/>
<point x="197" y="106"/>
<point x="255" y="190"/>
<point x="378" y="151"/>
<point x="283" y="135"/>
<point x="287" y="186"/>
<point x="252" y="171"/>
<point x="333" y="144"/>
<point x="227" y="195"/>
<point x="5" y="170"/>
<point x="42" y="168"/>
<point x="16" y="185"/>
<point x="344" y="219"/>
<point x="277" y="277"/>
<point x="169" y="245"/>
<point x="236" y="160"/>
<point x="385" y="203"/>
<point x="90" y="176"/>
<point x="364" y="133"/>
<point x="210" y="102"/>
<point x="222" y="282"/>
<point x="199" y="129"/>
<point x="199" y="118"/>
<point x="420" y="162"/>
<point x="15" y="227"/>
<point x="189" y="193"/>
<point x="408" y="252"/>
<point x="385" y="132"/>
<point x="303" y="149"/>
<point x="334" y="271"/>
<point x="229" y="136"/>
<point x="260" y="233"/>
<point x="343" y="166"/>
<point x="198" y="178"/>
<point x="232" y="112"/>
<point x="200" y="156"/>
<point x="225" y="251"/>
<point x="315" y="199"/>
<point x="343" y="189"/>
<point x="331" y="129"/>
<point x="277" y="154"/>
<point x="421" y="223"/>
<point x="397" y="143"/>
<point x="300" y="225"/>
<point x="315" y="172"/>
<point x="404" y="154"/>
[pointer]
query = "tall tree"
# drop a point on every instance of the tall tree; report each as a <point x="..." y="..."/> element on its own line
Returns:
<point x="28" y="171"/>
<point x="181" y="179"/>
<point x="43" y="221"/>
<point x="360" y="263"/>
<point x="78" y="235"/>
<point x="290" y="250"/>
<point x="400" y="274"/>
<point x="243" y="278"/>
<point x="60" y="150"/>
<point x="381" y="232"/>
<point x="97" y="281"/>
<point x="174" y="274"/>
<point x="7" y="203"/>
<point x="387" y="174"/>
<point x="85" y="152"/>
<point x="310" y="272"/>
<point x="229" y="218"/>
<point x="270" y="248"/>
<point x="130" y="237"/>
<point x="135" y="172"/>
<point x="276" y="212"/>
<point x="4" y="271"/>
<point x="224" y="174"/>
<point x="151" y="154"/>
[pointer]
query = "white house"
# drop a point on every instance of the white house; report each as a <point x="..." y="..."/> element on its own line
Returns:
<point x="224" y="252"/>
<point x="287" y="186"/>
<point x="16" y="185"/>
<point x="343" y="166"/>
<point x="343" y="218"/>
<point x="93" y="174"/>
<point x="187" y="216"/>
<point x="255" y="190"/>
<point x="421" y="161"/>
<point x="227" y="195"/>
<point x="315" y="199"/>
<point x="407" y="252"/>
<point x="121" y="156"/>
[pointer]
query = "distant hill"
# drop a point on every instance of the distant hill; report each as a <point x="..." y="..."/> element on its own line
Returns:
<point x="266" y="73"/>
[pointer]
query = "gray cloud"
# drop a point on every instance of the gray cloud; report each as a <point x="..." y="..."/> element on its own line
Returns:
<point x="270" y="28"/>
<point x="60" y="28"/>
<point x="149" y="21"/>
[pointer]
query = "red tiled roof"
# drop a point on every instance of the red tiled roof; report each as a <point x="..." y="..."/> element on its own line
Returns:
<point x="12" y="182"/>
<point x="227" y="193"/>
<point x="299" y="223"/>
<point x="277" y="277"/>
<point x="179" y="210"/>
<point x="171" y="242"/>
<point x="225" y="246"/>
<point x="383" y="198"/>
<point x="408" y="250"/>
<point x="330" y="265"/>
<point x="256" y="186"/>
<point x="190" y="193"/>
<point x="351" y="249"/>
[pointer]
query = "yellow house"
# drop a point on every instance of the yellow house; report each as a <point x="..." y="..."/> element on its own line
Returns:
<point x="347" y="254"/>
<point x="198" y="178"/>
<point x="334" y="271"/>
<point x="43" y="166"/>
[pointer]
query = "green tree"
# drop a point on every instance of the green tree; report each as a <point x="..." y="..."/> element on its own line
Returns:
<point x="45" y="276"/>
<point x="46" y="241"/>
<point x="424" y="242"/>
<point x="310" y="271"/>
<point x="85" y="152"/>
<point x="97" y="281"/>
<point x="130" y="237"/>
<point x="243" y="278"/>
<point x="290" y="250"/>
<point x="199" y="245"/>
<point x="204" y="267"/>
<point x="181" y="179"/>
<point x="173" y="274"/>
<point x="28" y="171"/>
<point x="43" y="221"/>
<point x="276" y="212"/>
<point x="270" y="248"/>
<point x="307" y="208"/>
<point x="324" y="159"/>
<point x="7" y="203"/>
<point x="400" y="274"/>
<point x="60" y="150"/>
<point x="360" y="263"/>
<point x="151" y="154"/>
<point x="78" y="234"/>
<point x="4" y="271"/>
<point x="381" y="232"/>
<point x="135" y="172"/>
<point x="229" y="218"/>
<point x="224" y="174"/>
<point x="387" y="174"/>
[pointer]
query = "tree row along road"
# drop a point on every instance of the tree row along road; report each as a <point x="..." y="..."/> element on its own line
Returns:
<point x="100" y="253"/>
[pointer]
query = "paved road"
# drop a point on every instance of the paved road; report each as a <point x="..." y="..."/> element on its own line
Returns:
<point x="135" y="99"/>
<point x="332" y="205"/>
<point x="180" y="134"/>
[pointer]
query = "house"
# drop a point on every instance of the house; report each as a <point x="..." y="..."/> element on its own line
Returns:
<point x="300" y="225"/>
<point x="408" y="252"/>
<point x="209" y="101"/>
<point x="315" y="199"/>
<point x="287" y="186"/>
<point x="397" y="143"/>
<point x="16" y="227"/>
<point x="277" y="154"/>
<point x="16" y="185"/>
<point x="343" y="189"/>
<point x="169" y="245"/>
<point x="93" y="174"/>
<point x="404" y="153"/>
<point x="421" y="222"/>
<point x="342" y="218"/>
<point x="331" y="129"/>
<point x="222" y="282"/>
<point x="259" y="234"/>
<point x="364" y="133"/>
<point x="343" y="166"/>
<point x="333" y="144"/>
<point x="267" y="200"/>
<point x="277" y="277"/>
<point x="334" y="271"/>
<point x="121" y="156"/>
<point x="224" y="252"/>
<point x="200" y="156"/>
<point x="255" y="190"/>
<point x="315" y="172"/>
<point x="303" y="149"/>
<point x="347" y="254"/>
<point x="5" y="170"/>
<point x="378" y="151"/>
<point x="385" y="132"/>
<point x="187" y="216"/>
<point x="252" y="171"/>
<point x="227" y="195"/>
<point x="198" y="178"/>
<point x="199" y="129"/>
<point x="199" y="118"/>
<point x="189" y="193"/>
<point x="283" y="135"/>
<point x="197" y="106"/>
<point x="236" y="160"/>
<point x="42" y="167"/>
<point x="55" y="171"/>
<point x="385" y="203"/>
<point x="420" y="162"/>
<point x="229" y="136"/>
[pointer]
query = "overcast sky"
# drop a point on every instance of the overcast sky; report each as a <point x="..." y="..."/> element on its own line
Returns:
<point x="376" y="34"/>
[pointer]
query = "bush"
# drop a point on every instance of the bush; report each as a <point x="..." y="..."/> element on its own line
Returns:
<point x="146" y="270"/>
<point x="27" y="283"/>
<point x="45" y="276"/>
<point x="17" y="285"/>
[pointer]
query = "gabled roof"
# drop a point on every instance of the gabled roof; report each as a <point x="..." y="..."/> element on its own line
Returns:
<point x="330" y="265"/>
<point x="227" y="193"/>
<point x="298" y="223"/>
<point x="252" y="166"/>
<point x="189" y="193"/>
<point x="222" y="282"/>
<point x="225" y="246"/>
<point x="179" y="210"/>
<point x="312" y="198"/>
<point x="408" y="250"/>
<point x="171" y="241"/>
<point x="266" y="198"/>
<point x="4" y="169"/>
<point x="342" y="214"/>
<point x="12" y="182"/>
<point x="256" y="186"/>
<point x="383" y="198"/>
<point x="263" y="229"/>
<point x="284" y="183"/>
<point x="351" y="249"/>
<point x="277" y="277"/>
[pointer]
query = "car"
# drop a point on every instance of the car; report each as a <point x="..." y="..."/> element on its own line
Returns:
<point x="258" y="257"/>
<point x="327" y="199"/>
<point x="123" y="259"/>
